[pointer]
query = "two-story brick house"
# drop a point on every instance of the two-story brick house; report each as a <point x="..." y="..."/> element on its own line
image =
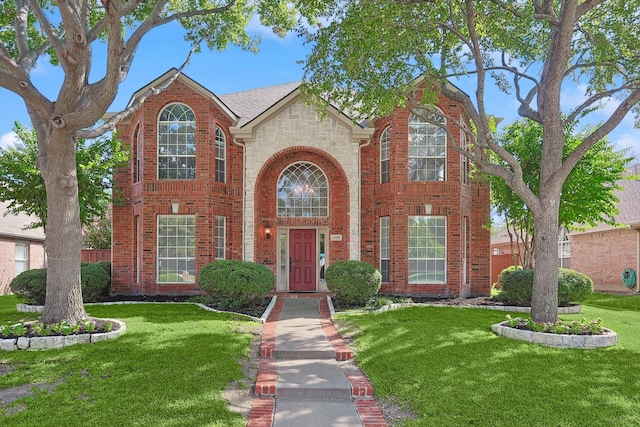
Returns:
<point x="256" y="175"/>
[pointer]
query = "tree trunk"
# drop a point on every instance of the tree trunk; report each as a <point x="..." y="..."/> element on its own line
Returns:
<point x="63" y="231"/>
<point x="544" y="302"/>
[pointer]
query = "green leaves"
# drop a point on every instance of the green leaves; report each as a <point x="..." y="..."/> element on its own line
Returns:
<point x="588" y="195"/>
<point x="23" y="187"/>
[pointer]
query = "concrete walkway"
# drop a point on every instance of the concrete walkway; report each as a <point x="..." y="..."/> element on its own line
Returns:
<point x="306" y="376"/>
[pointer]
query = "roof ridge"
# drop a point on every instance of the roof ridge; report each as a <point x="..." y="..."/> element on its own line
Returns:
<point x="299" y="82"/>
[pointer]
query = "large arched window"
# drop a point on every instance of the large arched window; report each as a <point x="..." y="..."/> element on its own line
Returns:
<point x="427" y="148"/>
<point x="177" y="143"/>
<point x="303" y="191"/>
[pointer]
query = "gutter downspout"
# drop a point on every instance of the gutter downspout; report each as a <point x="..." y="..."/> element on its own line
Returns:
<point x="366" y="144"/>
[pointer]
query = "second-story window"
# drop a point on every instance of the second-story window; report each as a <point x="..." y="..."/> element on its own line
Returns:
<point x="385" y="141"/>
<point x="221" y="154"/>
<point x="177" y="142"/>
<point x="427" y="147"/>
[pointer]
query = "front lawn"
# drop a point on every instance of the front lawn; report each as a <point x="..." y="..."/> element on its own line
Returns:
<point x="445" y="365"/>
<point x="169" y="369"/>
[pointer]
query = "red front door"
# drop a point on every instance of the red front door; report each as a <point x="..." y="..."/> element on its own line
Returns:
<point x="302" y="261"/>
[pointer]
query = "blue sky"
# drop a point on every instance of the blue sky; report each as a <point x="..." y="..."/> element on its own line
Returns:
<point x="236" y="70"/>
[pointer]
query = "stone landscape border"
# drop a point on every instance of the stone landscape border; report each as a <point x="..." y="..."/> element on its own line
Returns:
<point x="59" y="341"/>
<point x="607" y="339"/>
<point x="43" y="343"/>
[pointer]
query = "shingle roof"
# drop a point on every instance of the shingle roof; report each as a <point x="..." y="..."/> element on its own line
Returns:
<point x="629" y="199"/>
<point x="12" y="225"/>
<point x="251" y="103"/>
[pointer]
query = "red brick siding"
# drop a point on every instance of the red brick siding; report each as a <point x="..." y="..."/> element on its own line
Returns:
<point x="204" y="198"/>
<point x="604" y="255"/>
<point x="201" y="197"/>
<point x="266" y="203"/>
<point x="399" y="198"/>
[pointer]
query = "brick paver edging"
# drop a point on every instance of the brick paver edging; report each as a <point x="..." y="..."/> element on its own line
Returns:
<point x="361" y="389"/>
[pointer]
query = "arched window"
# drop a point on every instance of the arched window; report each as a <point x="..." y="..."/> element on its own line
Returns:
<point x="303" y="191"/>
<point x="177" y="143"/>
<point x="427" y="148"/>
<point x="221" y="154"/>
<point x="385" y="140"/>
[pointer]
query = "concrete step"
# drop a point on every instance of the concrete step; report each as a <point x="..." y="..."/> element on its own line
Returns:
<point x="321" y="379"/>
<point x="315" y="413"/>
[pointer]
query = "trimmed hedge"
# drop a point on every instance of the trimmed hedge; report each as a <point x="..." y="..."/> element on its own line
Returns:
<point x="31" y="285"/>
<point x="235" y="284"/>
<point x="352" y="282"/>
<point x="95" y="281"/>
<point x="516" y="286"/>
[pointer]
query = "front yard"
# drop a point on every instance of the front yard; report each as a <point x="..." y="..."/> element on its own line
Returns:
<point x="169" y="369"/>
<point x="443" y="364"/>
<point x="448" y="368"/>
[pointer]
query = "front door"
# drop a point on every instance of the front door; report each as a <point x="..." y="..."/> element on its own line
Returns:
<point x="302" y="260"/>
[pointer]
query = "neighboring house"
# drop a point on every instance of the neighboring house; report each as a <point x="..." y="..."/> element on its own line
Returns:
<point x="20" y="249"/>
<point x="603" y="252"/>
<point x="256" y="176"/>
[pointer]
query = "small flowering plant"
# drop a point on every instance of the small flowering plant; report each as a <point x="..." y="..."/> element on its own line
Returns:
<point x="575" y="327"/>
<point x="36" y="329"/>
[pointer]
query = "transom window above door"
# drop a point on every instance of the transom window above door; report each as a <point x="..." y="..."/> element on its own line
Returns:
<point x="177" y="143"/>
<point x="303" y="191"/>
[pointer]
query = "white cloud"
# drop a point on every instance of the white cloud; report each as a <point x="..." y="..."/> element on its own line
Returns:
<point x="8" y="139"/>
<point x="630" y="141"/>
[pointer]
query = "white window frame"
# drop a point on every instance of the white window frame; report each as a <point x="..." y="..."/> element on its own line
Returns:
<point x="427" y="144"/>
<point x="221" y="155"/>
<point x="221" y="237"/>
<point x="385" y="156"/>
<point x="21" y="263"/>
<point x="427" y="249"/>
<point x="179" y="146"/>
<point x="138" y="164"/>
<point x="465" y="142"/>
<point x="176" y="248"/>
<point x="385" y="248"/>
<point x="303" y="199"/>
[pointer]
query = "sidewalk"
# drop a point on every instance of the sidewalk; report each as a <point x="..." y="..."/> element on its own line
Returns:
<point x="307" y="377"/>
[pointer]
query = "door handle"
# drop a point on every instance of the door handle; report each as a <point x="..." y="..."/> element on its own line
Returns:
<point x="290" y="264"/>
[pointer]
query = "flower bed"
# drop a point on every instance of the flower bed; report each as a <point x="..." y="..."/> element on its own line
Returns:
<point x="606" y="338"/>
<point x="26" y="342"/>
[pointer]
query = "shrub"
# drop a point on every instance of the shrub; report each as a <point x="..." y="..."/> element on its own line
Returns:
<point x="95" y="282"/>
<point x="573" y="286"/>
<point x="504" y="274"/>
<point x="516" y="286"/>
<point x="31" y="285"/>
<point x="352" y="282"/>
<point x="236" y="284"/>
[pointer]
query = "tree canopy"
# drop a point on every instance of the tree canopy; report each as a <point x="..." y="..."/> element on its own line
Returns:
<point x="23" y="187"/>
<point x="68" y="34"/>
<point x="373" y="54"/>
<point x="589" y="193"/>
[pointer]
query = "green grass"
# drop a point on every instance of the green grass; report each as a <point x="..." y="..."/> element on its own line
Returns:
<point x="169" y="369"/>
<point x="446" y="366"/>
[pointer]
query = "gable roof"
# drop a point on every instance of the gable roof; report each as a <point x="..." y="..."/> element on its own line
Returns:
<point x="264" y="109"/>
<point x="249" y="104"/>
<point x="11" y="226"/>
<point x="197" y="87"/>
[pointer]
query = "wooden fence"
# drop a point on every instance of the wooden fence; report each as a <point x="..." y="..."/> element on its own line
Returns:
<point x="95" y="255"/>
